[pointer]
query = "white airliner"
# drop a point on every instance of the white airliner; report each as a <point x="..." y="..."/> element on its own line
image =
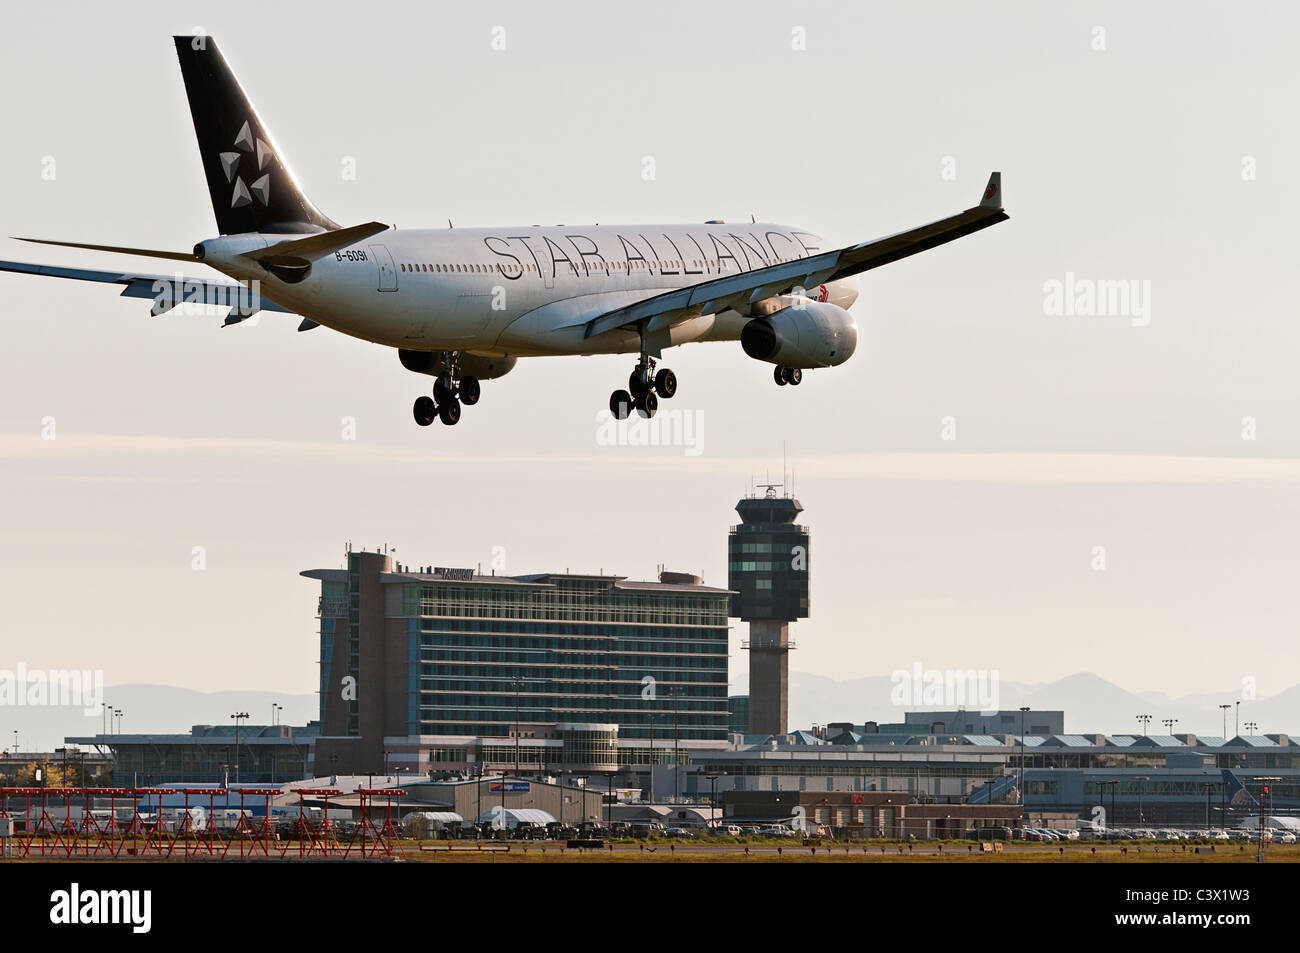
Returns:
<point x="463" y="304"/>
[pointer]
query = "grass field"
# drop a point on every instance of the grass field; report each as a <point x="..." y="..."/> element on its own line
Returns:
<point x="658" y="852"/>
<point x="920" y="853"/>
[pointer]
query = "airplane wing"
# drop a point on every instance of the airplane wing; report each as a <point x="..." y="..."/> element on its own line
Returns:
<point x="167" y="291"/>
<point x="740" y="291"/>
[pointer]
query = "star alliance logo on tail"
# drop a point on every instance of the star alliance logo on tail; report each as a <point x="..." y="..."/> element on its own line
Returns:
<point x="260" y="190"/>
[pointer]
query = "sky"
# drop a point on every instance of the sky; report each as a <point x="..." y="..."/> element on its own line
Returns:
<point x="993" y="482"/>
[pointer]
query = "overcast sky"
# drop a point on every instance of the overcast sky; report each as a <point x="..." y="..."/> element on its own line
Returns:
<point x="1141" y="143"/>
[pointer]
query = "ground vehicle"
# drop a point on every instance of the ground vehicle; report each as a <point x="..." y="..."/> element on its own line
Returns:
<point x="682" y="832"/>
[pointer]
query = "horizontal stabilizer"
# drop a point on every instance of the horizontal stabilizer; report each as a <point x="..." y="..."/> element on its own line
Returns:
<point x="319" y="245"/>
<point x="167" y="291"/>
<point x="146" y="252"/>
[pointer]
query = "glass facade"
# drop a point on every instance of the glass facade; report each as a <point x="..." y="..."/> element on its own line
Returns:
<point x="481" y="653"/>
<point x="739" y="714"/>
<point x="567" y="649"/>
<point x="354" y="636"/>
<point x="767" y="560"/>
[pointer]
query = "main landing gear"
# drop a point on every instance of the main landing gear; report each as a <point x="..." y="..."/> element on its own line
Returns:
<point x="450" y="391"/>
<point x="644" y="388"/>
<point x="787" y="375"/>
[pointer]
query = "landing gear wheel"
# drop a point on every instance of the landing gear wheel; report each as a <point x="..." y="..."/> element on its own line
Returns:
<point x="647" y="404"/>
<point x="795" y="375"/>
<point x="469" y="391"/>
<point x="449" y="413"/>
<point x="778" y="374"/>
<point x="666" y="384"/>
<point x="444" y="389"/>
<point x="424" y="410"/>
<point x="620" y="404"/>
<point x="640" y="382"/>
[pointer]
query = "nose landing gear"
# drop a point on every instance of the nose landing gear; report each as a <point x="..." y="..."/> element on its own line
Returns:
<point x="450" y="391"/>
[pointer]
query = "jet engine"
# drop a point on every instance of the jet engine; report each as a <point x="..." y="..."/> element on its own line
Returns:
<point x="813" y="334"/>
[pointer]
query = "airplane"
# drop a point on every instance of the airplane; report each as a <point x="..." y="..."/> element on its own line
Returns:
<point x="464" y="304"/>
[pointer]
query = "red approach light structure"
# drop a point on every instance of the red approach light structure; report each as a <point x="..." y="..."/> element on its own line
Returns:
<point x="44" y="828"/>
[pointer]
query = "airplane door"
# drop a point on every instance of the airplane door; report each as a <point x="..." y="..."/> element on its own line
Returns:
<point x="545" y="263"/>
<point x="387" y="270"/>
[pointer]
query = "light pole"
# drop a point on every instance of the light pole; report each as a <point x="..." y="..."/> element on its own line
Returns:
<point x="1144" y="720"/>
<point x="1224" y="709"/>
<point x="1208" y="786"/>
<point x="275" y="713"/>
<point x="1236" y="728"/>
<point x="713" y="799"/>
<point x="1113" y="782"/>
<point x="238" y="716"/>
<point x="1252" y="726"/>
<point x="1024" y="801"/>
<point x="1169" y="724"/>
<point x="1265" y="797"/>
<point x="1139" y="780"/>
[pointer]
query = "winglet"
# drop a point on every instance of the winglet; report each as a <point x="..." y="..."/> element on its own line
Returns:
<point x="993" y="192"/>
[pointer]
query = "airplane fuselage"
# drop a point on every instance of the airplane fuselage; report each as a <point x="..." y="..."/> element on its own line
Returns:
<point x="520" y="291"/>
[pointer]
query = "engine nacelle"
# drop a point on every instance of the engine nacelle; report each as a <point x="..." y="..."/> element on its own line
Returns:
<point x="816" y="334"/>
<point x="468" y="365"/>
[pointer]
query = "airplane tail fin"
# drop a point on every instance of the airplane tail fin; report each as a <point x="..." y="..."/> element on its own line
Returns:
<point x="251" y="185"/>
<point x="1237" y="794"/>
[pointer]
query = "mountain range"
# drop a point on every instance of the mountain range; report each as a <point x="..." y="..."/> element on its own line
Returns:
<point x="1091" y="704"/>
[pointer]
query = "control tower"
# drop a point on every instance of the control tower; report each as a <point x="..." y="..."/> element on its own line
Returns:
<point x="767" y="568"/>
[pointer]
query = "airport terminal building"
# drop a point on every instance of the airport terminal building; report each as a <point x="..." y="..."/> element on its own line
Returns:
<point x="1135" y="780"/>
<point x="442" y="669"/>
